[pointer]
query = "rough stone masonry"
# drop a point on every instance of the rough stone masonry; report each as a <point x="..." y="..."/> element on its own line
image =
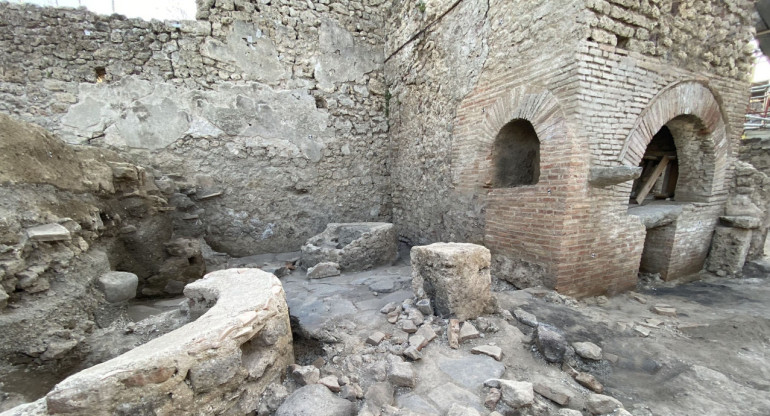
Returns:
<point x="279" y="117"/>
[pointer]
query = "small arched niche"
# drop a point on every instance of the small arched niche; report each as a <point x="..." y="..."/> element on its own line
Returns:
<point x="516" y="155"/>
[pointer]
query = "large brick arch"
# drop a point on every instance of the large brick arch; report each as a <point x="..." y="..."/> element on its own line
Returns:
<point x="472" y="149"/>
<point x="691" y="99"/>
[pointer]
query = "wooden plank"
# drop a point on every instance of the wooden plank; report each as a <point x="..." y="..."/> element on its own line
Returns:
<point x="651" y="180"/>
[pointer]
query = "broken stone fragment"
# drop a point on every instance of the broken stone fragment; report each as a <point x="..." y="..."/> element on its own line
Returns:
<point x="589" y="381"/>
<point x="399" y="337"/>
<point x="453" y="333"/>
<point x="354" y="246"/>
<point x="588" y="350"/>
<point x="645" y="332"/>
<point x="468" y="332"/>
<point x="599" y="404"/>
<point x="407" y="326"/>
<point x="49" y="232"/>
<point x="118" y="286"/>
<point x="550" y="342"/>
<point x="325" y="269"/>
<point x="517" y="393"/>
<point x="57" y="349"/>
<point x="388" y="308"/>
<point x="490" y="350"/>
<point x="315" y="400"/>
<point x="427" y="332"/>
<point x="494" y="396"/>
<point x="351" y="392"/>
<point x="402" y="374"/>
<point x="423" y="305"/>
<point x="554" y="392"/>
<point x="305" y="375"/>
<point x="375" y="338"/>
<point x="664" y="310"/>
<point x="525" y="317"/>
<point x="637" y="297"/>
<point x="417" y="341"/>
<point x="455" y="276"/>
<point x="412" y="353"/>
<point x="414" y="315"/>
<point x="331" y="383"/>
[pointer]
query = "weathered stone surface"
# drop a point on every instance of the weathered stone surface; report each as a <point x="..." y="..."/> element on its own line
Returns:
<point x="656" y="215"/>
<point x="599" y="404"/>
<point x="315" y="400"/>
<point x="550" y="342"/>
<point x="230" y="348"/>
<point x="354" y="246"/>
<point x="589" y="381"/>
<point x="118" y="286"/>
<point x="588" y="350"/>
<point x="325" y="269"/>
<point x="493" y="397"/>
<point x="455" y="276"/>
<point x="49" y="232"/>
<point x="663" y="309"/>
<point x="729" y="248"/>
<point x="601" y="177"/>
<point x="331" y="383"/>
<point x="453" y="333"/>
<point x="412" y="353"/>
<point x="379" y="395"/>
<point x="517" y="393"/>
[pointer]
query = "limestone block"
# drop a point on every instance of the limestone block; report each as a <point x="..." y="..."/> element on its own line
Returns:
<point x="49" y="232"/>
<point x="455" y="276"/>
<point x="729" y="248"/>
<point x="354" y="246"/>
<point x="118" y="286"/>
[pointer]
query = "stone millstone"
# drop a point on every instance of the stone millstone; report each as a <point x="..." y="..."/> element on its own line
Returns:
<point x="315" y="400"/>
<point x="550" y="342"/>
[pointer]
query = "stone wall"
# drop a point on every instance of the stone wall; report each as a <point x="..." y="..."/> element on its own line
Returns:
<point x="277" y="109"/>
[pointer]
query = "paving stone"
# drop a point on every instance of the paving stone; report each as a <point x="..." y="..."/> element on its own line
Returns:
<point x="490" y="350"/>
<point x="383" y="286"/>
<point x="471" y="371"/>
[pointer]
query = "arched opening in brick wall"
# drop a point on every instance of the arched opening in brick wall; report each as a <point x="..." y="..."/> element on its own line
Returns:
<point x="678" y="164"/>
<point x="516" y="155"/>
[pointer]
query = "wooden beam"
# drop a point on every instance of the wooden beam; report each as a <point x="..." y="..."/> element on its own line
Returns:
<point x="651" y="180"/>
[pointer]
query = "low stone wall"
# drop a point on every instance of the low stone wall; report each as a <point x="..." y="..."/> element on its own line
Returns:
<point x="220" y="363"/>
